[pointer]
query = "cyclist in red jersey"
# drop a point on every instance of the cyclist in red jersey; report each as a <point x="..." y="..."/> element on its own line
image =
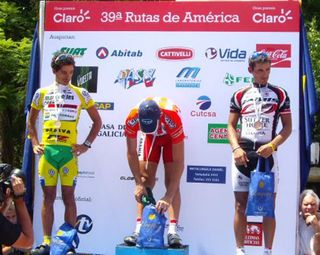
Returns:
<point x="161" y="130"/>
<point x="258" y="107"/>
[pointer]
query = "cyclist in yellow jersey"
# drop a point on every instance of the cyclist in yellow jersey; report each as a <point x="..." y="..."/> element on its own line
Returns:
<point x="61" y="104"/>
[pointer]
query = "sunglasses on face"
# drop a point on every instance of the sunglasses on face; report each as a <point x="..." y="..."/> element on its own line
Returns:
<point x="259" y="54"/>
<point x="63" y="57"/>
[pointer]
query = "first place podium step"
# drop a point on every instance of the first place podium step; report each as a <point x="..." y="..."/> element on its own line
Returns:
<point x="122" y="249"/>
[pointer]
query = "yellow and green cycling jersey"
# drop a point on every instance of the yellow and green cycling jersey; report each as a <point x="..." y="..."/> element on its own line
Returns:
<point x="61" y="106"/>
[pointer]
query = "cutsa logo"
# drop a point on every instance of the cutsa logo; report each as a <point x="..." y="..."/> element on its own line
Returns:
<point x="272" y="18"/>
<point x="203" y="102"/>
<point x="280" y="54"/>
<point x="175" y="53"/>
<point x="83" y="15"/>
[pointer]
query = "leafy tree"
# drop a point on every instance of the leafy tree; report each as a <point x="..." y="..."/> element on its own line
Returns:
<point x="311" y="13"/>
<point x="17" y="23"/>
<point x="311" y="10"/>
<point x="314" y="45"/>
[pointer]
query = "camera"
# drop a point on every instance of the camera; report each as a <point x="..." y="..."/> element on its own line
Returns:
<point x="6" y="172"/>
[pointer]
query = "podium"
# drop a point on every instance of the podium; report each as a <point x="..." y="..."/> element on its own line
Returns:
<point x="122" y="249"/>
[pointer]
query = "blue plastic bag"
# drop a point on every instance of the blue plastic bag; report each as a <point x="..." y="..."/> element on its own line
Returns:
<point x="261" y="191"/>
<point x="65" y="240"/>
<point x="152" y="228"/>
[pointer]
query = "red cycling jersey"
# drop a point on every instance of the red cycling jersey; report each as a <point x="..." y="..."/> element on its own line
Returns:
<point x="169" y="124"/>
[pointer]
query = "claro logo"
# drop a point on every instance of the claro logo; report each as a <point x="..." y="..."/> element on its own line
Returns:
<point x="68" y="18"/>
<point x="283" y="17"/>
<point x="175" y="53"/>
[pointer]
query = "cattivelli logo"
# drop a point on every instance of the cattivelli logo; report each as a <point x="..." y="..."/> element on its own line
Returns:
<point x="175" y="53"/>
<point x="280" y="54"/>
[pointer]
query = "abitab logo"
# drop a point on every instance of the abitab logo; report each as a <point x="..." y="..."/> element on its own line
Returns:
<point x="102" y="52"/>
<point x="203" y="102"/>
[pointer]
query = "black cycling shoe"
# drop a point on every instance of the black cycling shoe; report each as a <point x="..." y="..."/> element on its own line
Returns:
<point x="174" y="241"/>
<point x="42" y="249"/>
<point x="131" y="240"/>
<point x="71" y="252"/>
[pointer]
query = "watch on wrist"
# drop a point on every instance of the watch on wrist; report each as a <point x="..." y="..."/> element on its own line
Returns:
<point x="87" y="144"/>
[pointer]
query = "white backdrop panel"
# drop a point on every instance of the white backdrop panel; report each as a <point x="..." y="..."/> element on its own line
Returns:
<point x="105" y="188"/>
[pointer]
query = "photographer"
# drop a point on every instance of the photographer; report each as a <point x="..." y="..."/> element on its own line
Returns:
<point x="18" y="235"/>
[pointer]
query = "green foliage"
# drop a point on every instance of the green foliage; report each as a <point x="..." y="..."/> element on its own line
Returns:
<point x="17" y="23"/>
<point x="14" y="57"/>
<point x="314" y="44"/>
<point x="311" y="10"/>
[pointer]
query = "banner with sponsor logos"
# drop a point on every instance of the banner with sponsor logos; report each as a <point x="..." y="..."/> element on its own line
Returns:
<point x="196" y="54"/>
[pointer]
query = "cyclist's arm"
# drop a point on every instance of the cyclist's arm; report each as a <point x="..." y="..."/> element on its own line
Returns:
<point x="133" y="159"/>
<point x="285" y="131"/>
<point x="97" y="122"/>
<point x="232" y="129"/>
<point x="33" y="134"/>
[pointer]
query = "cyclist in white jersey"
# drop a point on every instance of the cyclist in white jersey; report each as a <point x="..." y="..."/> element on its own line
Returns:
<point x="258" y="106"/>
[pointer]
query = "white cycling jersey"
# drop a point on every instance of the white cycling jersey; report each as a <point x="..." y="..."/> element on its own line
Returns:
<point x="260" y="108"/>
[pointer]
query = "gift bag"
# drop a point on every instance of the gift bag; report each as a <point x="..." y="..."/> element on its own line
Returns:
<point x="65" y="240"/>
<point x="152" y="228"/>
<point x="261" y="191"/>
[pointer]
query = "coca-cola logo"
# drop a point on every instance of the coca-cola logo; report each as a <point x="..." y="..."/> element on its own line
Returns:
<point x="283" y="54"/>
<point x="175" y="53"/>
<point x="280" y="54"/>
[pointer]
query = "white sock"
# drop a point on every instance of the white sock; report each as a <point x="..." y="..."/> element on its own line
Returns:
<point x="267" y="251"/>
<point x="173" y="227"/>
<point x="240" y="250"/>
<point x="138" y="225"/>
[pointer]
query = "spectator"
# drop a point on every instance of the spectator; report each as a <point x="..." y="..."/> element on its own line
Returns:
<point x="309" y="225"/>
<point x="20" y="234"/>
